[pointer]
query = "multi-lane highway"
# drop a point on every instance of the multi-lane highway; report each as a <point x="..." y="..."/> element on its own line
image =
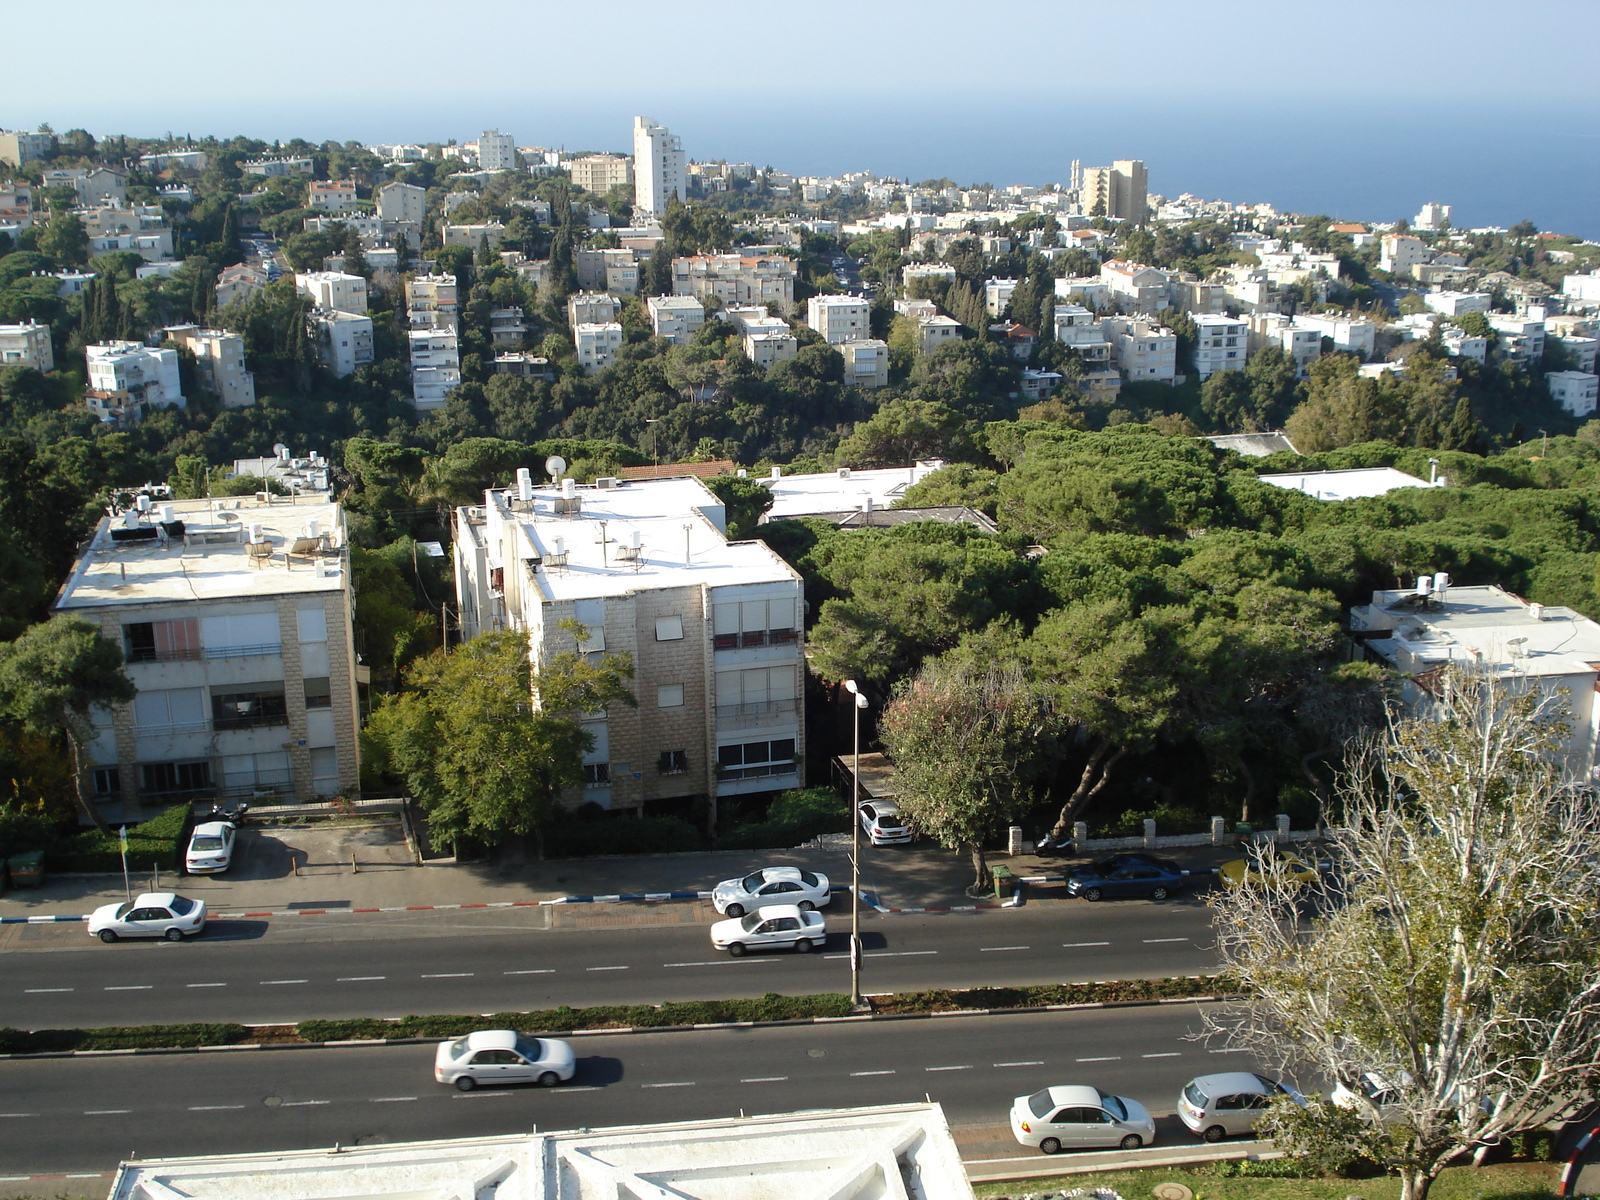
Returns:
<point x="77" y="1114"/>
<point x="290" y="968"/>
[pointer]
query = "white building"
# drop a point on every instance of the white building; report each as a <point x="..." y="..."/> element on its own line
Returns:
<point x="997" y="294"/>
<point x="330" y="195"/>
<point x="597" y="343"/>
<point x="1582" y="289"/>
<point x="599" y="173"/>
<point x="839" y="319"/>
<point x="219" y="355"/>
<point x="714" y="629"/>
<point x="1352" y="484"/>
<point x="676" y="318"/>
<point x="149" y="376"/>
<point x="497" y="151"/>
<point x="435" y="366"/>
<point x="763" y="347"/>
<point x="1302" y="345"/>
<point x="866" y="363"/>
<point x="343" y="340"/>
<point x="1432" y="217"/>
<point x="1144" y="351"/>
<point x="1221" y="344"/>
<point x="273" y="168"/>
<point x="235" y="283"/>
<point x="1575" y="391"/>
<point x="473" y="235"/>
<point x="334" y="290"/>
<point x="1351" y="335"/>
<point x="658" y="166"/>
<point x="735" y="278"/>
<point x="842" y="490"/>
<point x="401" y="203"/>
<point x="1521" y="338"/>
<point x="27" y="346"/>
<point x="1400" y="252"/>
<point x="927" y="273"/>
<point x="1453" y="304"/>
<point x="234" y="617"/>
<point x="592" y="308"/>
<point x="19" y="148"/>
<point x="614" y="271"/>
<point x="432" y="302"/>
<point x="1141" y="288"/>
<point x="936" y="331"/>
<point x="1077" y="327"/>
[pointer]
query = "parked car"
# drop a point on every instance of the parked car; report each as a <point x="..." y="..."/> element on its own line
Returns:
<point x="1075" y="1116"/>
<point x="1127" y="875"/>
<point x="1370" y="1093"/>
<point x="773" y="927"/>
<point x="1268" y="865"/>
<point x="883" y="823"/>
<point x="771" y="885"/>
<point x="502" y="1056"/>
<point x="210" y="848"/>
<point x="1219" y="1106"/>
<point x="153" y="914"/>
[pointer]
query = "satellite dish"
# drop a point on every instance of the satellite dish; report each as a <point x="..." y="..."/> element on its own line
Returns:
<point x="554" y="466"/>
<point x="279" y="448"/>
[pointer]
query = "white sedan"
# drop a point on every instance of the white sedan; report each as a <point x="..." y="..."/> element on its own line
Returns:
<point x="502" y="1056"/>
<point x="1063" y="1118"/>
<point x="771" y="885"/>
<point x="154" y="914"/>
<point x="210" y="848"/>
<point x="777" y="926"/>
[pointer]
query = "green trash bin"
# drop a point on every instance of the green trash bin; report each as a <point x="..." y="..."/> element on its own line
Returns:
<point x="26" y="870"/>
<point x="1003" y="878"/>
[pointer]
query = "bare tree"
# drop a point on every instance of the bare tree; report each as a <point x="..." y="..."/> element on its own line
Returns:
<point x="1455" y="955"/>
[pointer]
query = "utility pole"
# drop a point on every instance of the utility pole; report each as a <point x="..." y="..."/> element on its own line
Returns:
<point x="855" y="848"/>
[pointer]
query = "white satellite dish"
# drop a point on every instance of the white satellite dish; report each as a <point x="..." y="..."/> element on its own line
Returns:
<point x="279" y="448"/>
<point x="554" y="466"/>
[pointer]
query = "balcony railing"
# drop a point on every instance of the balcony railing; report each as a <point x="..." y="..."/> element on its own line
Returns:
<point x="756" y="713"/>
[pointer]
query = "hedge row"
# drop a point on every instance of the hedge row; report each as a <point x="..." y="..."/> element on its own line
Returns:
<point x="1038" y="995"/>
<point x="123" y="1037"/>
<point x="158" y="842"/>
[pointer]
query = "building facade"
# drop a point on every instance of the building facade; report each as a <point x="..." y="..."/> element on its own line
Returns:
<point x="27" y="345"/>
<point x="839" y="319"/>
<point x="597" y="343"/>
<point x="1221" y="344"/>
<point x="334" y="290"/>
<point x="658" y="167"/>
<point x="435" y="366"/>
<point x="592" y="308"/>
<point x="497" y="151"/>
<point x="736" y="279"/>
<point x="866" y="363"/>
<point x="219" y="355"/>
<point x="343" y="340"/>
<point x="599" y="173"/>
<point x="1575" y="391"/>
<point x="676" y="318"/>
<point x="148" y="375"/>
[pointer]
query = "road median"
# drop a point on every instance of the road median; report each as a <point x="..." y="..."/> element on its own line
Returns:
<point x="770" y="1009"/>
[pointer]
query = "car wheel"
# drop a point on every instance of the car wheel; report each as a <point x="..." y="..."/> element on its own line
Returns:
<point x="735" y="949"/>
<point x="735" y="910"/>
<point x="1159" y="894"/>
<point x="1091" y="894"/>
<point x="549" y="1079"/>
<point x="803" y="946"/>
<point x="806" y="906"/>
<point x="108" y="935"/>
<point x="1214" y="1133"/>
<point x="1132" y="1142"/>
<point x="465" y="1083"/>
<point x="1050" y="1146"/>
<point x="174" y="934"/>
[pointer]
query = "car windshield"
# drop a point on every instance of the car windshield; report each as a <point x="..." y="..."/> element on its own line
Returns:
<point x="1040" y="1104"/>
<point x="751" y="882"/>
<point x="123" y="910"/>
<point x="751" y="923"/>
<point x="1103" y="869"/>
<point x="1114" y="1106"/>
<point x="807" y="878"/>
<point x="531" y="1049"/>
<point x="207" y="842"/>
<point x="182" y="906"/>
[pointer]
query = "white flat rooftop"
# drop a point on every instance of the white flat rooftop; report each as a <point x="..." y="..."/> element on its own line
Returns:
<point x="679" y="524"/>
<point x="885" y="1152"/>
<point x="1489" y="625"/>
<point x="209" y="559"/>
<point x="843" y="490"/>
<point x="1345" y="485"/>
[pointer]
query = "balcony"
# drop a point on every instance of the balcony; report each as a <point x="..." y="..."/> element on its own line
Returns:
<point x="757" y="714"/>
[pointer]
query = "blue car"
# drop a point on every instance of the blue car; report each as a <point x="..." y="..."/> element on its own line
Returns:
<point x="1127" y="875"/>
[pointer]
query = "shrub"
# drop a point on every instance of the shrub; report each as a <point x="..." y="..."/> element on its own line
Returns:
<point x="158" y="842"/>
<point x="795" y="817"/>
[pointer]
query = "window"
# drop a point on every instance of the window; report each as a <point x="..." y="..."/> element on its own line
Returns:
<point x="319" y="692"/>
<point x="247" y="710"/>
<point x="739" y="624"/>
<point x="669" y="629"/>
<point x="313" y="623"/>
<point x="164" y="777"/>
<point x="155" y="641"/>
<point x="669" y="695"/>
<point x="591" y="614"/>
<point x="673" y="762"/>
<point x="596" y="775"/>
<point x="170" y="710"/>
<point x="756" y="760"/>
<point x="107" y="781"/>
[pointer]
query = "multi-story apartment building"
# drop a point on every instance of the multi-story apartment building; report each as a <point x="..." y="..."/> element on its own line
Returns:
<point x="148" y="375"/>
<point x="1138" y="287"/>
<point x="273" y="168"/>
<point x="183" y="160"/>
<point x="343" y="340"/>
<point x="597" y="343"/>
<point x="997" y="294"/>
<point x="497" y="151"/>
<point x="1119" y="191"/>
<point x="763" y="347"/>
<point x="1453" y="304"/>
<point x="599" y="173"/>
<point x="235" y="283"/>
<point x="1575" y="391"/>
<point x="1351" y="335"/>
<point x="219" y="355"/>
<point x="1302" y="345"/>
<point x="1221" y="344"/>
<point x="658" y="167"/>
<point x="839" y="319"/>
<point x="614" y="271"/>
<point x="330" y="195"/>
<point x="1521" y="338"/>
<point x="936" y="331"/>
<point x="676" y="318"/>
<point x="234" y="617"/>
<point x="736" y="279"/>
<point x="866" y="363"/>
<point x="1145" y="352"/>
<point x="507" y="326"/>
<point x="435" y="366"/>
<point x="334" y="290"/>
<point x="19" y="148"/>
<point x="401" y="203"/>
<point x="592" y="308"/>
<point x="432" y="302"/>
<point x="27" y="345"/>
<point x="1085" y="333"/>
<point x="935" y="273"/>
<point x="714" y="629"/>
<point x="1400" y="252"/>
<point x="473" y="235"/>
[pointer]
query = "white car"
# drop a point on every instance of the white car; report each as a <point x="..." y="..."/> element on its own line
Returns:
<point x="771" y="885"/>
<point x="883" y="823"/>
<point x="502" y="1056"/>
<point x="210" y="848"/>
<point x="775" y="926"/>
<point x="1074" y="1116"/>
<point x="1370" y="1093"/>
<point x="154" y="914"/>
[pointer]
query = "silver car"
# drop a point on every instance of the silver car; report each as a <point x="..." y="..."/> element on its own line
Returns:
<point x="1230" y="1103"/>
<point x="502" y="1056"/>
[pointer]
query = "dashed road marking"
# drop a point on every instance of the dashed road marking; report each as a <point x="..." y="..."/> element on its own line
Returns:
<point x="605" y="968"/>
<point x="276" y="982"/>
<point x="1154" y="941"/>
<point x="690" y="1083"/>
<point x="1080" y="945"/>
<point x="130" y="987"/>
<point x="1105" y="1058"/>
<point x="858" y="1074"/>
<point x="987" y="949"/>
<point x="1021" y="1064"/>
<point x="1163" y="1054"/>
<point x="205" y="985"/>
<point x="359" y="978"/>
<point x="214" y="1107"/>
<point x="303" y="1103"/>
<point x="106" y="1112"/>
<point x="767" y="1079"/>
<point x="36" y="991"/>
<point x="450" y="975"/>
<point x="535" y="971"/>
<point x="968" y="1067"/>
<point x="392" y="1099"/>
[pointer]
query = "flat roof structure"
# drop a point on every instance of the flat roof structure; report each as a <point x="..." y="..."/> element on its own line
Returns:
<point x="885" y="1152"/>
<point x="1253" y="445"/>
<point x="1346" y="485"/>
<point x="844" y="490"/>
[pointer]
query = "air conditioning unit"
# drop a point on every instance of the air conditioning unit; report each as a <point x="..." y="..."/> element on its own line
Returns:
<point x="607" y="481"/>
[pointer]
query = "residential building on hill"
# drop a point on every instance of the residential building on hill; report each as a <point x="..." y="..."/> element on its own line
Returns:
<point x="1221" y="344"/>
<point x="658" y="167"/>
<point x="839" y="319"/>
<point x="597" y="342"/>
<point x="27" y="345"/>
<point x="599" y="173"/>
<point x="497" y="151"/>
<point x="330" y="195"/>
<point x="148" y="375"/>
<point x="219" y="355"/>
<point x="736" y="279"/>
<point x="334" y="290"/>
<point x="343" y="340"/>
<point x="676" y="318"/>
<point x="1575" y="391"/>
<point x="866" y="363"/>
<point x="435" y="366"/>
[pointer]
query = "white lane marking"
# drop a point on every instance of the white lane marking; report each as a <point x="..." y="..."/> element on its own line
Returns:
<point x="605" y="968"/>
<point x="1040" y="1063"/>
<point x="275" y="982"/>
<point x="582" y="1087"/>
<point x="392" y="1099"/>
<point x="767" y="1079"/>
<point x="1229" y="1050"/>
<point x="303" y="1103"/>
<point x="715" y="962"/>
<point x="857" y="1074"/>
<point x="887" y="954"/>
<point x="539" y="971"/>
<point x="1079" y="945"/>
<point x="17" y="1115"/>
<point x="1107" y="1058"/>
<point x="106" y="1112"/>
<point x="987" y="949"/>
<point x="131" y="987"/>
<point x="359" y="978"/>
<point x="662" y="1085"/>
<point x="34" y="991"/>
<point x="1154" y="941"/>
<point x="206" y="985"/>
<point x="451" y="975"/>
<point x="962" y="1068"/>
<point x="214" y="1107"/>
<point x="480" y="1095"/>
<point x="1163" y="1054"/>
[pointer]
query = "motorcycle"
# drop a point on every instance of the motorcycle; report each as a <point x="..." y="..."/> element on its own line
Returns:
<point x="234" y="816"/>
<point x="1051" y="846"/>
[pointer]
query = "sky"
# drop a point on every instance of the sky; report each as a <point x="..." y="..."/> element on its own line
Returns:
<point x="1358" y="108"/>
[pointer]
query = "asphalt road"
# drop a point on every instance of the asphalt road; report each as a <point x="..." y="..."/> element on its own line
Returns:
<point x="85" y="1114"/>
<point x="292" y="968"/>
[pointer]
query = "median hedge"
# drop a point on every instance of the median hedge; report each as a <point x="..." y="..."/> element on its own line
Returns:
<point x="1037" y="996"/>
<point x="123" y="1037"/>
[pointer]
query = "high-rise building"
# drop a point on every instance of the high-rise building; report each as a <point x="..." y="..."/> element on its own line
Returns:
<point x="497" y="151"/>
<point x="1117" y="191"/>
<point x="658" y="167"/>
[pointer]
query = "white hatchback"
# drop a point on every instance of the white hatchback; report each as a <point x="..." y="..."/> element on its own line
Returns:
<point x="771" y="885"/>
<point x="153" y="914"/>
<point x="210" y="848"/>
<point x="502" y="1056"/>
<point x="884" y="823"/>
<point x="772" y="927"/>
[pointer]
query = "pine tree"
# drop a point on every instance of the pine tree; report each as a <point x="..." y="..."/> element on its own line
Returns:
<point x="232" y="251"/>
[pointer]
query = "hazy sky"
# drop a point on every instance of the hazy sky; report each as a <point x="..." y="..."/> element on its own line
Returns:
<point x="1360" y="101"/>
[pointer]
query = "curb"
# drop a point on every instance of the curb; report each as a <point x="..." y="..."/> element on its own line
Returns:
<point x="628" y="1029"/>
<point x="1147" y="1158"/>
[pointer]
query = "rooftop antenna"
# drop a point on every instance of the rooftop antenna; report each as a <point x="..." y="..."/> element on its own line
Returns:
<point x="555" y="466"/>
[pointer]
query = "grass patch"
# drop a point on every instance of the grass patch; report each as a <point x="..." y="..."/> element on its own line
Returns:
<point x="1213" y="1181"/>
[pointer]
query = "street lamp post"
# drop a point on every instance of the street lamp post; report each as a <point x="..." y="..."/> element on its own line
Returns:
<point x="651" y="422"/>
<point x="855" y="847"/>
